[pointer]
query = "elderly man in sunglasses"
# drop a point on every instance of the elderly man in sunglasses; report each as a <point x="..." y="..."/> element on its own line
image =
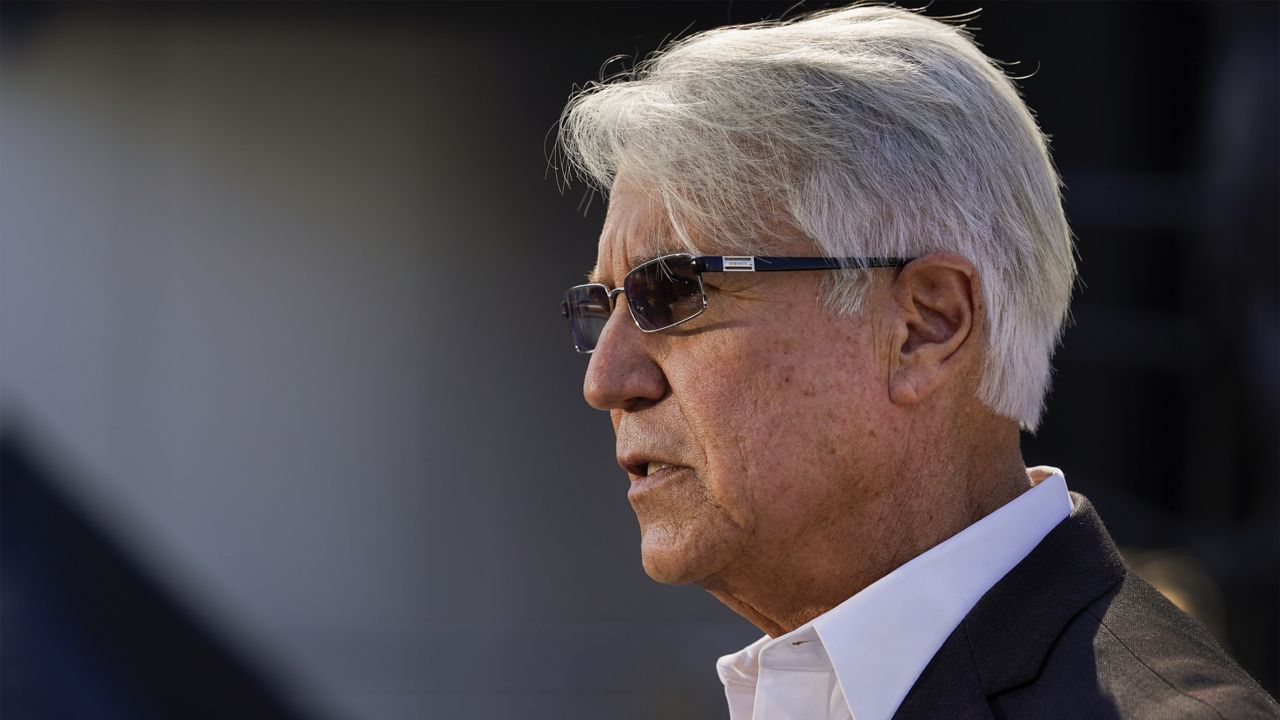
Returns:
<point x="843" y="266"/>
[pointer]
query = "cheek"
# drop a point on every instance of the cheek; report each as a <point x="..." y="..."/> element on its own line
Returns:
<point x="747" y="416"/>
<point x="777" y="424"/>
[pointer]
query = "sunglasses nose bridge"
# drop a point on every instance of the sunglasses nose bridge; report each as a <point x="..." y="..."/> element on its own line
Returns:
<point x="613" y="302"/>
<point x="643" y="280"/>
<point x="631" y="310"/>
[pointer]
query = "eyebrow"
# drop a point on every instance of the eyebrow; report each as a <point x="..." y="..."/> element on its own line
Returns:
<point x="596" y="276"/>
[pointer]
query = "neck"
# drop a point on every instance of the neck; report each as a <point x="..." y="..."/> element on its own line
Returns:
<point x="929" y="497"/>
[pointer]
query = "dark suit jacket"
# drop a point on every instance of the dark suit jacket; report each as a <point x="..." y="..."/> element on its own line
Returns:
<point x="1070" y="632"/>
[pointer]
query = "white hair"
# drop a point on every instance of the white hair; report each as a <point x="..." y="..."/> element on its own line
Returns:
<point x="874" y="131"/>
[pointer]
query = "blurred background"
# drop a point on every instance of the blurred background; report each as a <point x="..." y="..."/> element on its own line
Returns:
<point x="291" y="426"/>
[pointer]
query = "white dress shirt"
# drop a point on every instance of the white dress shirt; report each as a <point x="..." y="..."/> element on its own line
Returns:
<point x="858" y="660"/>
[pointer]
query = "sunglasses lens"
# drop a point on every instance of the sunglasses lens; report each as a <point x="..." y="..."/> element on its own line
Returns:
<point x="587" y="307"/>
<point x="664" y="292"/>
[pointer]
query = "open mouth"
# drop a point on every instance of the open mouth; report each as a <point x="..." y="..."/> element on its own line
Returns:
<point x="654" y="466"/>
<point x="640" y="469"/>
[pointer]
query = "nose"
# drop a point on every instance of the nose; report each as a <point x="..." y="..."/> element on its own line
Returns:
<point x="622" y="373"/>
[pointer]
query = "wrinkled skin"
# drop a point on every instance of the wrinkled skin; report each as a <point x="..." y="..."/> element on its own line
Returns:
<point x="811" y="452"/>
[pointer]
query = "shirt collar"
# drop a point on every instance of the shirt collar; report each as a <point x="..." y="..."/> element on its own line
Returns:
<point x="881" y="639"/>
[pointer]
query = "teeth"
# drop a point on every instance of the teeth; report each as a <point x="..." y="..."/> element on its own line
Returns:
<point x="655" y="466"/>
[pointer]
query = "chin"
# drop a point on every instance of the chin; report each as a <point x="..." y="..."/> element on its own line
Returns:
<point x="674" y="560"/>
<point x="668" y="571"/>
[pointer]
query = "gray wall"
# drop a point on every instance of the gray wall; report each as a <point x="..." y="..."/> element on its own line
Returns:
<point x="281" y="294"/>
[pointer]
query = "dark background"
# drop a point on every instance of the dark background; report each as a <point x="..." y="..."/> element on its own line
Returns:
<point x="291" y="425"/>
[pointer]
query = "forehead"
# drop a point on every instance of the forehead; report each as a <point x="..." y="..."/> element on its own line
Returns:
<point x="635" y="229"/>
<point x="638" y="228"/>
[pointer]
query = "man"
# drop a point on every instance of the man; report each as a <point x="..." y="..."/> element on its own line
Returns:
<point x="844" y="267"/>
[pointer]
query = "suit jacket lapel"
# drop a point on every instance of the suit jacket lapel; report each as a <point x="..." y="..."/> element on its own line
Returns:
<point x="1004" y="640"/>
<point x="949" y="687"/>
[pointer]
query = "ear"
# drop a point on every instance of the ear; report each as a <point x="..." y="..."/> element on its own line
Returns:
<point x="939" y="304"/>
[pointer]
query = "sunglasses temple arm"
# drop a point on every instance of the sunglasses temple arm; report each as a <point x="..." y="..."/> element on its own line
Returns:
<point x="748" y="263"/>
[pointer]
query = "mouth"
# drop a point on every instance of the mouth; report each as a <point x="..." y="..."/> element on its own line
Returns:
<point x="641" y="469"/>
<point x="655" y="466"/>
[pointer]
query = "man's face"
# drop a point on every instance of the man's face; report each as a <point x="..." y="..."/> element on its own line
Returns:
<point x="750" y="432"/>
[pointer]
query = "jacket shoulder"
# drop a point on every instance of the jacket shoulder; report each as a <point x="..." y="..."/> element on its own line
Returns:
<point x="1132" y="654"/>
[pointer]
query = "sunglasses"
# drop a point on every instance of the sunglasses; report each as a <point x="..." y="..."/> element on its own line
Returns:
<point x="667" y="291"/>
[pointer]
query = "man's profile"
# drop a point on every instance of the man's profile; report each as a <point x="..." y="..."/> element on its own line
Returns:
<point x="833" y="273"/>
